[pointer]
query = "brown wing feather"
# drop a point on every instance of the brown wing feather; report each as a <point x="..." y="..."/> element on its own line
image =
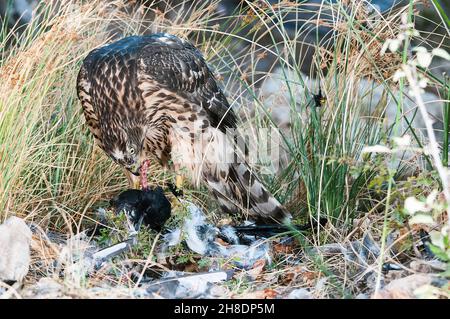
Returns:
<point x="178" y="66"/>
<point x="84" y="95"/>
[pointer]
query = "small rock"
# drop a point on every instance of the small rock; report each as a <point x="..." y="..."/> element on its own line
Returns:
<point x="371" y="278"/>
<point x="404" y="288"/>
<point x="45" y="288"/>
<point x="300" y="293"/>
<point x="427" y="266"/>
<point x="15" y="240"/>
<point x="48" y="285"/>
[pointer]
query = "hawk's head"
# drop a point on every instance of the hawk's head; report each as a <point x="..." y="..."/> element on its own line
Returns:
<point x="126" y="147"/>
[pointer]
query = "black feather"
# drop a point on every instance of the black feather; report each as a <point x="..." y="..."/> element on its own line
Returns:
<point x="153" y="205"/>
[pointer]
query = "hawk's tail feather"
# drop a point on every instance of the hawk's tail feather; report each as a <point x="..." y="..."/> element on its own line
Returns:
<point x="240" y="189"/>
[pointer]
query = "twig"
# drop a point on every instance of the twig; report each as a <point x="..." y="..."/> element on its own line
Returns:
<point x="11" y="290"/>
<point x="148" y="261"/>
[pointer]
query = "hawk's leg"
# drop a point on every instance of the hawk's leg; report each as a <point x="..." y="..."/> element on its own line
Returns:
<point x="177" y="188"/>
<point x="133" y="180"/>
<point x="179" y="180"/>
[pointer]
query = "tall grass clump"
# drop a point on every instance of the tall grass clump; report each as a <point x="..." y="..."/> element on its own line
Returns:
<point x="48" y="164"/>
<point x="325" y="175"/>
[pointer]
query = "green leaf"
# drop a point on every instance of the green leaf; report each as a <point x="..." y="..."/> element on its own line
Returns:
<point x="439" y="253"/>
<point x="446" y="273"/>
<point x="442" y="12"/>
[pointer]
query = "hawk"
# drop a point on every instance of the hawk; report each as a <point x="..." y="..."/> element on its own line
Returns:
<point x="154" y="97"/>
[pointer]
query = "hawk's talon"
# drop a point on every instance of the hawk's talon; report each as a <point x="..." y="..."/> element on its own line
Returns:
<point x="175" y="191"/>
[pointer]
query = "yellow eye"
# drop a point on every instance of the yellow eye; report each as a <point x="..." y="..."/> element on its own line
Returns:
<point x="131" y="151"/>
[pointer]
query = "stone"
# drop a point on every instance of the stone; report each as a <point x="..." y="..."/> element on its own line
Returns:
<point x="300" y="293"/>
<point x="404" y="288"/>
<point x="15" y="240"/>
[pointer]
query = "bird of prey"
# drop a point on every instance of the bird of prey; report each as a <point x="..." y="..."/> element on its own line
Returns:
<point x="154" y="97"/>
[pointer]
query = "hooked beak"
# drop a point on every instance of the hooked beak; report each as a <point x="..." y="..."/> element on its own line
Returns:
<point x="135" y="169"/>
